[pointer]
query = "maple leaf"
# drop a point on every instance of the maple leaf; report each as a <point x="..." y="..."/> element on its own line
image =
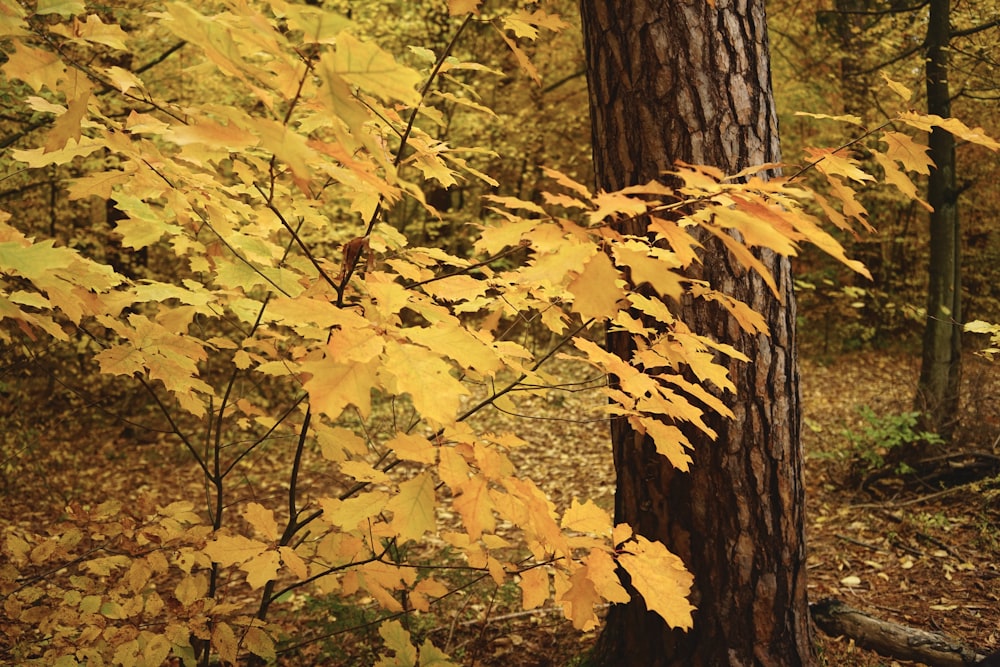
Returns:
<point x="596" y="290"/>
<point x="61" y="7"/>
<point x="262" y="519"/>
<point x="333" y="386"/>
<point x="350" y="512"/>
<point x="661" y="578"/>
<point x="534" y="585"/>
<point x="474" y="504"/>
<point x="36" y="67"/>
<point x="370" y="68"/>
<point x="262" y="568"/>
<point x="459" y="7"/>
<point x="232" y="550"/>
<point x="586" y="517"/>
<point x="397" y="640"/>
<point x="413" y="508"/>
<point x="909" y="153"/>
<point x="413" y="448"/>
<point x="579" y="600"/>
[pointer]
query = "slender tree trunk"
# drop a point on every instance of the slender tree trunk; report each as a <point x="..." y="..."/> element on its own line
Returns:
<point x="940" y="372"/>
<point x="685" y="80"/>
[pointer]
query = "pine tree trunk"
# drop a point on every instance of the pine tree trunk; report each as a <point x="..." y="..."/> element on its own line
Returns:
<point x="674" y="80"/>
<point x="940" y="371"/>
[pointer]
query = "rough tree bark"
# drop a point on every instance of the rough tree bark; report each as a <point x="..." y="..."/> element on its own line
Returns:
<point x="940" y="370"/>
<point x="690" y="80"/>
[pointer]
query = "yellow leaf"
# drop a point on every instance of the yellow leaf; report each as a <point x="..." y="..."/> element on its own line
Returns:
<point x="38" y="157"/>
<point x="586" y="518"/>
<point x="373" y="70"/>
<point x="894" y="176"/>
<point x="474" y="504"/>
<point x="190" y="588"/>
<point x="413" y="508"/>
<point x="853" y="120"/>
<point x="450" y="339"/>
<point x="595" y="289"/>
<point x="224" y="641"/>
<point x="661" y="578"/>
<point x="579" y="600"/>
<point x="231" y="550"/>
<point x="459" y="7"/>
<point x="453" y="468"/>
<point x="293" y="562"/>
<point x="670" y="442"/>
<point x="259" y="643"/>
<point x="897" y="87"/>
<point x="94" y="30"/>
<point x="333" y="386"/>
<point x="36" y="67"/>
<point x="904" y="149"/>
<point x="534" y="587"/>
<point x="262" y="519"/>
<point x="397" y="640"/>
<point x="364" y="472"/>
<point x="349" y="513"/>
<point x="427" y="378"/>
<point x="652" y="270"/>
<point x="61" y="7"/>
<point x="413" y="448"/>
<point x="602" y="570"/>
<point x="830" y="162"/>
<point x="262" y="568"/>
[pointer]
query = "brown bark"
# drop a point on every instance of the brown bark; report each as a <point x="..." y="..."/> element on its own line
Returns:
<point x="685" y="80"/>
<point x="940" y="370"/>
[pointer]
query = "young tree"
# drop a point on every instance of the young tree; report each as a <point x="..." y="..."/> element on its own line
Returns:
<point x="672" y="81"/>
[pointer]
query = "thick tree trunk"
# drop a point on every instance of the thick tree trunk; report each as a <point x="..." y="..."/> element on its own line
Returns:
<point x="685" y="80"/>
<point x="940" y="371"/>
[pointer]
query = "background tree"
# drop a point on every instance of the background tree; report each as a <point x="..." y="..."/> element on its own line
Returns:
<point x="672" y="81"/>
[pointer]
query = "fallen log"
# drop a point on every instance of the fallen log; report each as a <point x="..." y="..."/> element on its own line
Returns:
<point x="896" y="641"/>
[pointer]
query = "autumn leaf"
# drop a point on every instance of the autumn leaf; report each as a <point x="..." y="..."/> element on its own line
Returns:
<point x="233" y="550"/>
<point x="262" y="519"/>
<point x="370" y="68"/>
<point x="586" y="517"/>
<point x="534" y="585"/>
<point x="413" y="508"/>
<point x="397" y="640"/>
<point x="661" y="578"/>
<point x="596" y="289"/>
<point x="262" y="568"/>
<point x="460" y="7"/>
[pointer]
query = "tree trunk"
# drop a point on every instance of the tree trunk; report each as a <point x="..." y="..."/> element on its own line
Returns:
<point x="940" y="371"/>
<point x="685" y="80"/>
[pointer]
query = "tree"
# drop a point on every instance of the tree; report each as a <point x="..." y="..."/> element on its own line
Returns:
<point x="690" y="82"/>
<point x="941" y="360"/>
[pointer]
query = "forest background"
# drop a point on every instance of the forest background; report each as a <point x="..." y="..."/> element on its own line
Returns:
<point x="171" y="491"/>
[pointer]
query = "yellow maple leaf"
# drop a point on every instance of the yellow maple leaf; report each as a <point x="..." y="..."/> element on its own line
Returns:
<point x="413" y="508"/>
<point x="231" y="550"/>
<point x="350" y="512"/>
<point x="473" y="502"/>
<point x="373" y="70"/>
<point x="586" y="517"/>
<point x="333" y="386"/>
<point x="427" y="378"/>
<point x="903" y="149"/>
<point x="262" y="568"/>
<point x="262" y="519"/>
<point x="534" y="585"/>
<point x="595" y="289"/>
<point x="293" y="562"/>
<point x="411" y="447"/>
<point x="459" y="7"/>
<point x="661" y="578"/>
<point x="579" y="600"/>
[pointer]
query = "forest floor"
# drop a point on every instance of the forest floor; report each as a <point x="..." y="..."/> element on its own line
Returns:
<point x="924" y="552"/>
